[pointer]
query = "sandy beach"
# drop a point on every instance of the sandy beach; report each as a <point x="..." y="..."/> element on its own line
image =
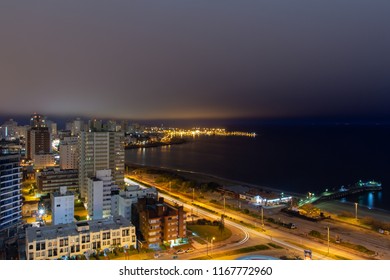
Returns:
<point x="337" y="207"/>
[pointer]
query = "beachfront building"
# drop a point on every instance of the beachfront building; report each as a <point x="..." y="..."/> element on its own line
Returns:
<point x="255" y="196"/>
<point x="122" y="201"/>
<point x="265" y="199"/>
<point x="82" y="238"/>
<point x="159" y="223"/>
<point x="62" y="207"/>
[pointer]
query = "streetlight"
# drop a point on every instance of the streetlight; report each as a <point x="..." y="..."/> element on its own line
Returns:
<point x="262" y="217"/>
<point x="356" y="205"/>
<point x="328" y="239"/>
<point x="211" y="252"/>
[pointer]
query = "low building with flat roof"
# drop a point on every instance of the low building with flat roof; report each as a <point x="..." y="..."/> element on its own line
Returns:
<point x="121" y="201"/>
<point x="50" y="180"/>
<point x="82" y="238"/>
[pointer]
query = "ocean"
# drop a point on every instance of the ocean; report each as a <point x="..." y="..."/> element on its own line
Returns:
<point x="292" y="158"/>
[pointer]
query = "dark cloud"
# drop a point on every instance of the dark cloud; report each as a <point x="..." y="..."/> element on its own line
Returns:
<point x="172" y="59"/>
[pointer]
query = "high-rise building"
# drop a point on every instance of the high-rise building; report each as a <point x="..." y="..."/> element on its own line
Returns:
<point x="38" y="142"/>
<point x="95" y="125"/>
<point x="99" y="195"/>
<point x="62" y="207"/>
<point x="10" y="196"/>
<point x="21" y="131"/>
<point x="8" y="130"/>
<point x="52" y="127"/>
<point x="69" y="153"/>
<point x="99" y="151"/>
<point x="77" y="126"/>
<point x="38" y="137"/>
<point x="37" y="120"/>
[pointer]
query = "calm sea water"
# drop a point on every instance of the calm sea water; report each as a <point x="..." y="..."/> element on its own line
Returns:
<point x="298" y="159"/>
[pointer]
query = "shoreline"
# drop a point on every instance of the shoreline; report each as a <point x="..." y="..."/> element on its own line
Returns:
<point x="339" y="207"/>
<point x="226" y="181"/>
<point x="332" y="206"/>
<point x="156" y="144"/>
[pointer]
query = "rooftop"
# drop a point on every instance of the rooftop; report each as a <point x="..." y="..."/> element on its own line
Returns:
<point x="73" y="229"/>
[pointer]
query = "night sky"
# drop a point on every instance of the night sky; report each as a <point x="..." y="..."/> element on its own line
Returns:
<point x="195" y="59"/>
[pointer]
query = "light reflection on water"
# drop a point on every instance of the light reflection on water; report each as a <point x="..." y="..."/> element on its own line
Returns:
<point x="369" y="200"/>
<point x="293" y="159"/>
<point x="370" y="203"/>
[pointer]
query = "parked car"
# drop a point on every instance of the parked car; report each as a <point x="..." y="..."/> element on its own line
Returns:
<point x="189" y="250"/>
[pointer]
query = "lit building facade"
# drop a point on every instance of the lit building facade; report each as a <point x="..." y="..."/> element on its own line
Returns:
<point x="99" y="195"/>
<point x="99" y="151"/>
<point x="10" y="195"/>
<point x="42" y="161"/>
<point x="158" y="222"/>
<point x="75" y="239"/>
<point x="38" y="142"/>
<point x="8" y="130"/>
<point x="122" y="201"/>
<point x="62" y="207"/>
<point x="69" y="153"/>
<point x="50" y="180"/>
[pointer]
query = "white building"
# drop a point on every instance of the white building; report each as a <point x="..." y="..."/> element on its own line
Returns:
<point x="21" y="131"/>
<point x="52" y="127"/>
<point x="77" y="126"/>
<point x="83" y="238"/>
<point x="121" y="203"/>
<point x="69" y="153"/>
<point x="62" y="206"/>
<point x="99" y="151"/>
<point x="99" y="195"/>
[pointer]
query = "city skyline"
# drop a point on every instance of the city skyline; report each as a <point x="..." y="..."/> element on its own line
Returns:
<point x="154" y="60"/>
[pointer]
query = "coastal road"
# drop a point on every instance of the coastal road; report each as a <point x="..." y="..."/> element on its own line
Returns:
<point x="204" y="213"/>
<point x="297" y="239"/>
<point x="374" y="241"/>
<point x="269" y="236"/>
<point x="266" y="237"/>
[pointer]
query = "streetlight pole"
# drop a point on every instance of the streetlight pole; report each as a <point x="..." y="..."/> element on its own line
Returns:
<point x="211" y="252"/>
<point x="328" y="240"/>
<point x="356" y="205"/>
<point x="207" y="245"/>
<point x="262" y="217"/>
<point x="193" y="194"/>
